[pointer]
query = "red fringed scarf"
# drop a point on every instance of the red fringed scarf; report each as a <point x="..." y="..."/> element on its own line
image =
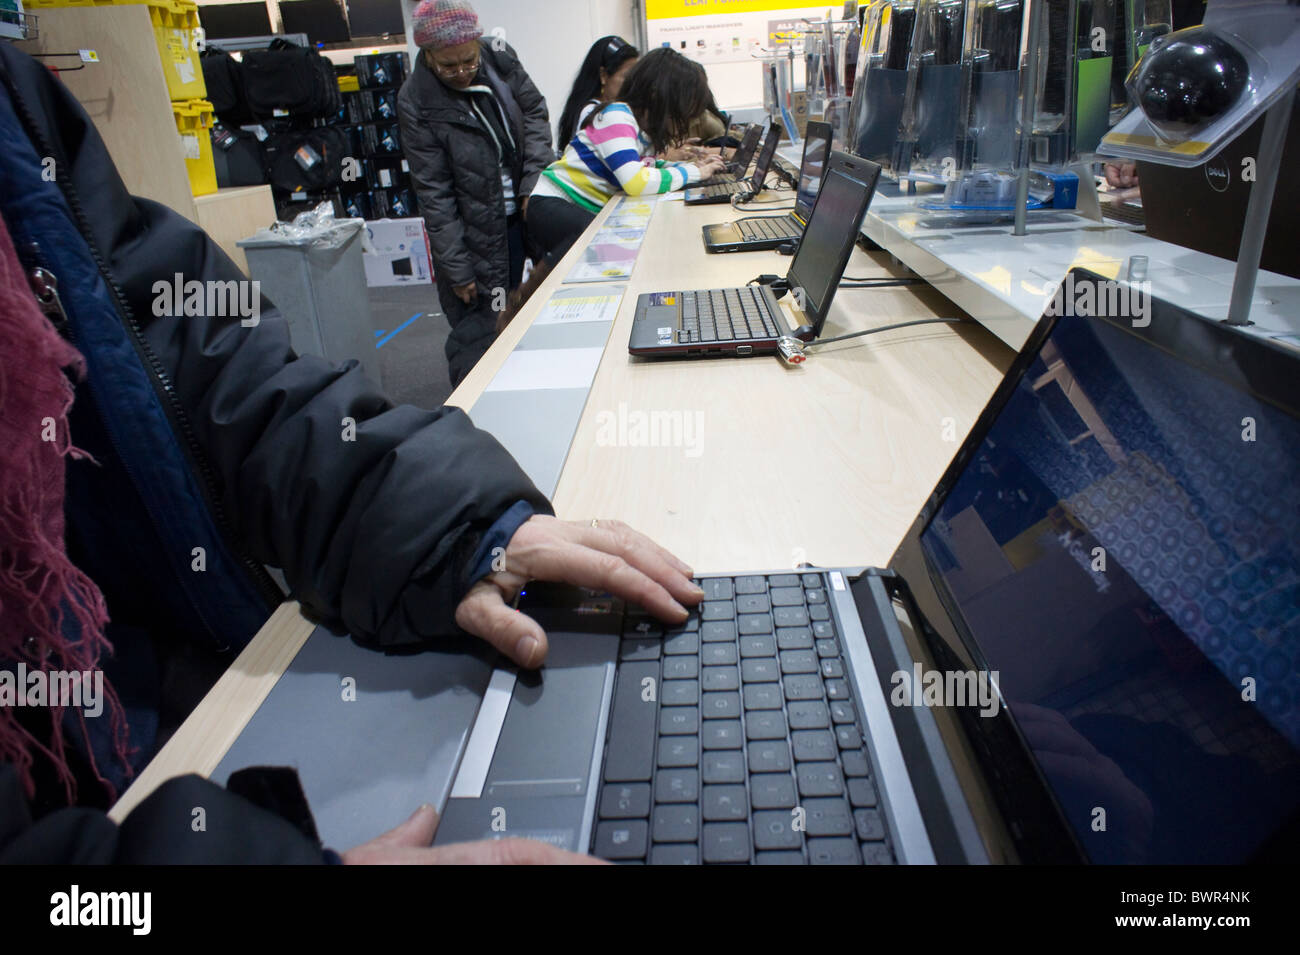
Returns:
<point x="38" y="584"/>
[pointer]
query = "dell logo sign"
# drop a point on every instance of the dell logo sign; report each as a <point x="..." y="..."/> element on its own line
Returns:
<point x="1217" y="175"/>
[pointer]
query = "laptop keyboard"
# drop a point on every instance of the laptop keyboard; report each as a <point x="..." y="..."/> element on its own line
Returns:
<point x="783" y="227"/>
<point x="733" y="314"/>
<point x="721" y="188"/>
<point x="721" y="179"/>
<point x="752" y="748"/>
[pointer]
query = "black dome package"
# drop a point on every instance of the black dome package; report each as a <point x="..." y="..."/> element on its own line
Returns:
<point x="1197" y="89"/>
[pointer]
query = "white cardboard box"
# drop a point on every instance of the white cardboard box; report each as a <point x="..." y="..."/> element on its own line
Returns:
<point x="400" y="253"/>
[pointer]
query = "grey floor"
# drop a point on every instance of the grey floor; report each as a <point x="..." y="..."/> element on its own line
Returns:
<point x="411" y="361"/>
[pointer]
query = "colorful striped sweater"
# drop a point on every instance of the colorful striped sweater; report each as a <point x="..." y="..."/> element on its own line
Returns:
<point x="607" y="156"/>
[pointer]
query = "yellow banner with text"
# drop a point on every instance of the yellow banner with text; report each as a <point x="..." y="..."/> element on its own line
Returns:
<point x="665" y="9"/>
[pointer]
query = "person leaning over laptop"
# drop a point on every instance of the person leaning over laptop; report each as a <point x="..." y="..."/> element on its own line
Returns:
<point x="615" y="152"/>
<point x="476" y="134"/>
<point x="599" y="80"/>
<point x="128" y="437"/>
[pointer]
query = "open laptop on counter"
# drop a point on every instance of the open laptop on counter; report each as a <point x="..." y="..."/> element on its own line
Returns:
<point x="719" y="189"/>
<point x="738" y="164"/>
<point x="757" y="233"/>
<point x="1094" y="610"/>
<point x="749" y="320"/>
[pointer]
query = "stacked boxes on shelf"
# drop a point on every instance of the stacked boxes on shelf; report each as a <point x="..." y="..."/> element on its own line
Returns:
<point x="360" y="141"/>
<point x="382" y="187"/>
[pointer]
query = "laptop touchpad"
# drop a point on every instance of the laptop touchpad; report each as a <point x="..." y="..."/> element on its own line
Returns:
<point x="547" y="740"/>
<point x="537" y="784"/>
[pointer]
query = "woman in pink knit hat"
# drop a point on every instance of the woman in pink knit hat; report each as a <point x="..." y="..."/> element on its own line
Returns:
<point x="476" y="134"/>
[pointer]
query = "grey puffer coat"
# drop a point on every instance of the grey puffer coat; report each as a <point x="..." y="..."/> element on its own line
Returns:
<point x="455" y="168"/>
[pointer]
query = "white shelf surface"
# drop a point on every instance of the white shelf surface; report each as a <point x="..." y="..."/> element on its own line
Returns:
<point x="1005" y="281"/>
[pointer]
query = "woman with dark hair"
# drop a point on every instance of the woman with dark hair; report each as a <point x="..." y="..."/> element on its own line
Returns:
<point x="615" y="152"/>
<point x="599" y="80"/>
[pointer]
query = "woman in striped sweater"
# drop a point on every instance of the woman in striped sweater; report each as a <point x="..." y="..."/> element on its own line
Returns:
<point x="615" y="152"/>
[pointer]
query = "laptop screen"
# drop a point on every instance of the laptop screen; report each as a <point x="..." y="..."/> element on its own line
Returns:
<point x="745" y="151"/>
<point x="816" y="148"/>
<point x="765" y="157"/>
<point x="1122" y="546"/>
<point x="831" y="231"/>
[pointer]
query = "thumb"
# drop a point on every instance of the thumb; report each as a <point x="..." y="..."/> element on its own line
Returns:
<point x="416" y="832"/>
<point x="485" y="614"/>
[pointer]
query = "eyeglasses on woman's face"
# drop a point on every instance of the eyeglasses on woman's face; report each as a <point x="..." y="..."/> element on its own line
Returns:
<point x="466" y="67"/>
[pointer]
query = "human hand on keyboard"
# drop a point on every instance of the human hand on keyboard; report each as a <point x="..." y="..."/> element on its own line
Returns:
<point x="603" y="555"/>
<point x="710" y="166"/>
<point x="411" y="844"/>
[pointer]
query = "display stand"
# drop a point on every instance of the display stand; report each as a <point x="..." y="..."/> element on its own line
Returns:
<point x="1269" y="162"/>
<point x="1028" y="105"/>
<point x="1005" y="281"/>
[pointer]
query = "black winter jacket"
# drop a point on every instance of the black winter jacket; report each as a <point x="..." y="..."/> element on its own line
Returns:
<point x="374" y="536"/>
<point x="456" y="172"/>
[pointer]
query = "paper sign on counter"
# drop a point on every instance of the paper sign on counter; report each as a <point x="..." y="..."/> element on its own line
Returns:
<point x="547" y="368"/>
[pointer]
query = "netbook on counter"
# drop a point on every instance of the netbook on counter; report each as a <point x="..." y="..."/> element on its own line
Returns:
<point x="720" y="189"/>
<point x="738" y="165"/>
<point x="749" y="320"/>
<point x="978" y="699"/>
<point x="756" y="233"/>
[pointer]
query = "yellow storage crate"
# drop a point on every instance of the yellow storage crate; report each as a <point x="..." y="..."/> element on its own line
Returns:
<point x="194" y="123"/>
<point x="174" y="23"/>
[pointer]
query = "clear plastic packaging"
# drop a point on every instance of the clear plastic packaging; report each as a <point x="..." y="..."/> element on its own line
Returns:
<point x="880" y="86"/>
<point x="980" y="177"/>
<point x="814" y="56"/>
<point x="1148" y="19"/>
<point x="992" y="52"/>
<point x="1051" y="126"/>
<point x="981" y="180"/>
<point x="1094" y="58"/>
<point x="317" y="228"/>
<point x="1142" y="22"/>
<point x="932" y="122"/>
<point x="777" y="91"/>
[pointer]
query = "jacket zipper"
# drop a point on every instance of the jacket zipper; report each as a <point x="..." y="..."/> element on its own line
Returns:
<point x="262" y="581"/>
<point x="45" y="285"/>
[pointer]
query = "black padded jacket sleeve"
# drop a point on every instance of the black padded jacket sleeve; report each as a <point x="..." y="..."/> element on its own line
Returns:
<point x="372" y="510"/>
<point x="187" y="820"/>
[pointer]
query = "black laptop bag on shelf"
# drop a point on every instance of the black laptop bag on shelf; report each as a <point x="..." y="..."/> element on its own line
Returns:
<point x="308" y="160"/>
<point x="223" y="77"/>
<point x="289" y="80"/>
<point x="237" y="156"/>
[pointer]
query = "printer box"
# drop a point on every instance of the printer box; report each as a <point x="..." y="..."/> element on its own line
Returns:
<point x="399" y="253"/>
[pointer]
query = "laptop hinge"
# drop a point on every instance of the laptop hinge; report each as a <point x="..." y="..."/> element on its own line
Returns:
<point x="949" y="822"/>
<point x="778" y="313"/>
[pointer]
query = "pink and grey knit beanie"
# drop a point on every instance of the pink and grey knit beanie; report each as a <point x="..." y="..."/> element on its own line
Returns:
<point x="438" y="24"/>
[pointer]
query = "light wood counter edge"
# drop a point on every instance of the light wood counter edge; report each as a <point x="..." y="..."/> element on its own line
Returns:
<point x="202" y="741"/>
